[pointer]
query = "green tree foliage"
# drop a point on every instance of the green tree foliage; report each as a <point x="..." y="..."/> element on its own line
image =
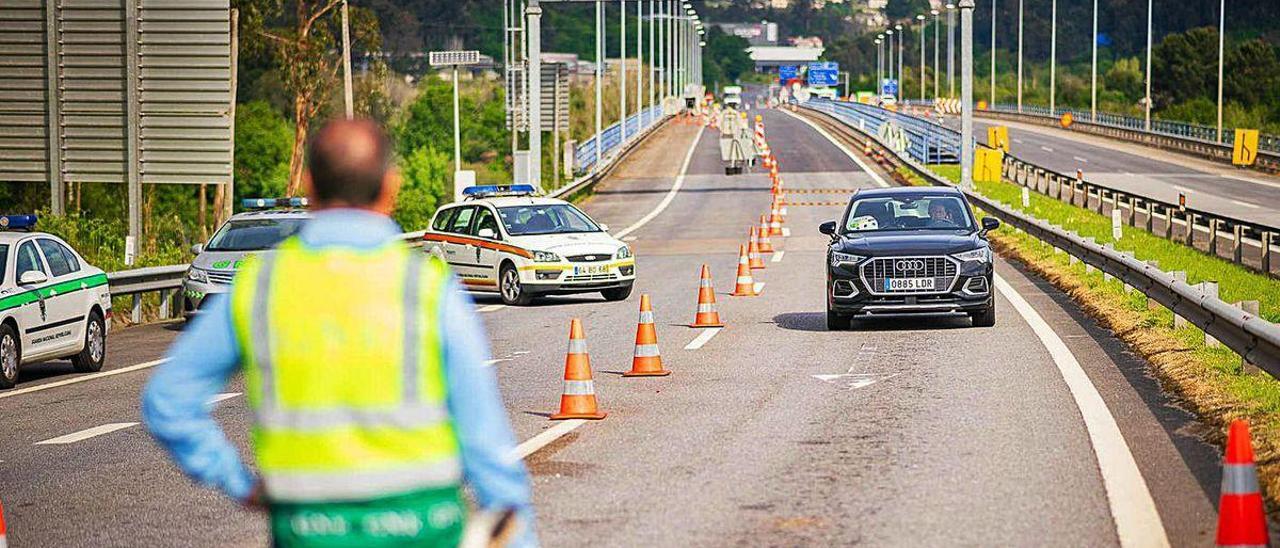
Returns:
<point x="1252" y="75"/>
<point x="725" y="58"/>
<point x="263" y="144"/>
<point x="1126" y="78"/>
<point x="425" y="184"/>
<point x="429" y="120"/>
<point x="1186" y="65"/>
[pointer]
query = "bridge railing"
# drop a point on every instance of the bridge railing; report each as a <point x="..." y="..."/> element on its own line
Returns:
<point x="927" y="142"/>
<point x="584" y="155"/>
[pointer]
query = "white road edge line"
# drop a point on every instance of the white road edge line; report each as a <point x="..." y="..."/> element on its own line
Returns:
<point x="543" y="439"/>
<point x="221" y="397"/>
<point x="83" y="378"/>
<point x="702" y="338"/>
<point x="841" y="148"/>
<point x="777" y="256"/>
<point x="1134" y="512"/>
<point x="87" y="433"/>
<point x="1245" y="204"/>
<point x="491" y="308"/>
<point x="671" y="194"/>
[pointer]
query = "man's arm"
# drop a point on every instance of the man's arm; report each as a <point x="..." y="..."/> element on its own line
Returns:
<point x="175" y="403"/>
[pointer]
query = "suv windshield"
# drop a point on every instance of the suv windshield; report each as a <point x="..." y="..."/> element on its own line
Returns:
<point x="545" y="219"/>
<point x="253" y="234"/>
<point x="908" y="212"/>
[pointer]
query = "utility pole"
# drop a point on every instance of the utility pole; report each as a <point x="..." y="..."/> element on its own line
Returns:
<point x="1146" y="117"/>
<point x="599" y="79"/>
<point x="1020" y="56"/>
<point x="1093" y="86"/>
<point x="951" y="54"/>
<point x="923" y="27"/>
<point x="346" y="63"/>
<point x="653" y="61"/>
<point x="1053" y="58"/>
<point x="534" y="78"/>
<point x="937" y="30"/>
<point x="622" y="62"/>
<point x="879" y="65"/>
<point x="640" y="59"/>
<point x="966" y="93"/>
<point x="992" y="98"/>
<point x="901" y="38"/>
<point x="889" y="49"/>
<point x="1222" y="34"/>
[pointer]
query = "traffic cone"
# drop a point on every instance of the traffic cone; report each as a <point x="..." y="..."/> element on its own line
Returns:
<point x="3" y="542"/>
<point x="866" y="148"/>
<point x="1241" y="521"/>
<point x="753" y="251"/>
<point x="746" y="286"/>
<point x="707" y="315"/>
<point x="579" y="398"/>
<point x="766" y="245"/>
<point x="775" y="221"/>
<point x="647" y="361"/>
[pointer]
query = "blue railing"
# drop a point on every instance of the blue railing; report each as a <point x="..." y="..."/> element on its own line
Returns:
<point x="584" y="156"/>
<point x="928" y="142"/>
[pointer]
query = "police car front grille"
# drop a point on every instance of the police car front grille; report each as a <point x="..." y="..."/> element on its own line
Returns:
<point x="591" y="277"/>
<point x="588" y="258"/>
<point x="220" y="277"/>
<point x="942" y="269"/>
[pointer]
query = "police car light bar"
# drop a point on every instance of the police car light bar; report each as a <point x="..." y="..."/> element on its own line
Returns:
<point x="17" y="222"/>
<point x="268" y="203"/>
<point x="481" y="191"/>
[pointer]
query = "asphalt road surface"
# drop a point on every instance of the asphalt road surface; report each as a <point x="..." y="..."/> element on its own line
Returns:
<point x="770" y="432"/>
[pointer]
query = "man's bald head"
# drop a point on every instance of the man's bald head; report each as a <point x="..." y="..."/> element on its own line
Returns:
<point x="348" y="162"/>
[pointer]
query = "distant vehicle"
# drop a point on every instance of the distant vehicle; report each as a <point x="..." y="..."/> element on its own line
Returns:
<point x="887" y="100"/>
<point x="909" y="250"/>
<point x="504" y="239"/>
<point x="269" y="221"/>
<point x="822" y="92"/>
<point x="733" y="97"/>
<point x="53" y="304"/>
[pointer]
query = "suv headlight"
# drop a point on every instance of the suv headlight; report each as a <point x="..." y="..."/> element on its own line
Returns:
<point x="838" y="258"/>
<point x="624" y="252"/>
<point x="196" y="275"/>
<point x="545" y="257"/>
<point x="981" y="255"/>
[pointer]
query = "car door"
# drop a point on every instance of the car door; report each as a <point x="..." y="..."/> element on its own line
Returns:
<point x="435" y="241"/>
<point x="461" y="252"/>
<point x="485" y="229"/>
<point x="66" y="299"/>
<point x="35" y="313"/>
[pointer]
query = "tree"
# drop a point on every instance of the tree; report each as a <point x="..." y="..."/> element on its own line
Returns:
<point x="300" y="36"/>
<point x="424" y="174"/>
<point x="725" y="58"/>
<point x="1252" y="75"/>
<point x="1125" y="77"/>
<point x="1184" y="66"/>
<point x="263" y="147"/>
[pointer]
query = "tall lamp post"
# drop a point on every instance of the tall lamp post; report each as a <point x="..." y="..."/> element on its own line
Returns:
<point x="622" y="62"/>
<point x="936" y="31"/>
<point x="901" y="38"/>
<point x="923" y="27"/>
<point x="951" y="55"/>
<point x="993" y="54"/>
<point x="1222" y="33"/>
<point x="455" y="59"/>
<point x="1020" y="55"/>
<point x="1093" y="84"/>
<point x="966" y="93"/>
<point x="1053" y="58"/>
<point x="889" y="56"/>
<point x="1146" y="100"/>
<point x="879" y="64"/>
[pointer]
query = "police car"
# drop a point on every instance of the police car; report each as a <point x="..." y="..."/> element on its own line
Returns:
<point x="504" y="239"/>
<point x="269" y="221"/>
<point x="53" y="304"/>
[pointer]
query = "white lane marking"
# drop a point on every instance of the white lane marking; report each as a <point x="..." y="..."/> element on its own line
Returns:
<point x="1274" y="184"/>
<point x="1081" y="160"/>
<point x="1019" y="141"/>
<point x="83" y="378"/>
<point x="777" y="256"/>
<point x="1045" y="148"/>
<point x="220" y="397"/>
<point x="758" y="287"/>
<point x="491" y="308"/>
<point x="1182" y="188"/>
<point x="786" y="232"/>
<point x="87" y="433"/>
<point x="1245" y="204"/>
<point x="630" y="239"/>
<point x="1132" y="509"/>
<point x="543" y="439"/>
<point x="496" y="361"/>
<point x="671" y="194"/>
<point x="874" y="177"/>
<point x="702" y="338"/>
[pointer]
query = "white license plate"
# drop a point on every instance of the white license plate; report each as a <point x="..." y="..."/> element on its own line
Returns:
<point x="908" y="284"/>
<point x="589" y="270"/>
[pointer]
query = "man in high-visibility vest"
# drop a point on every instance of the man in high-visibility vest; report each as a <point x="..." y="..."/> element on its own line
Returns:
<point x="364" y="369"/>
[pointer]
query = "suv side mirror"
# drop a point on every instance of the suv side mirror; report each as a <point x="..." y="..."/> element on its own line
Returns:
<point x="197" y="249"/>
<point x="989" y="224"/>
<point x="828" y="228"/>
<point x="33" y="277"/>
<point x="486" y="233"/>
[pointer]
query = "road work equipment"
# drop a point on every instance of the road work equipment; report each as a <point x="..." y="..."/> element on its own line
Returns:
<point x="746" y="286"/>
<point x="707" y="315"/>
<point x="1241" y="520"/>
<point x="579" y="398"/>
<point x="766" y="244"/>
<point x="647" y="360"/>
<point x="753" y="251"/>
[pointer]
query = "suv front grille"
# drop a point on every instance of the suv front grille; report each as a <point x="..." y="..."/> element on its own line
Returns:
<point x="588" y="258"/>
<point x="943" y="270"/>
<point x="221" y="277"/>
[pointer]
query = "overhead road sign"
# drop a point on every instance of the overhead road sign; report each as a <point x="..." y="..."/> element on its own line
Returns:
<point x="455" y="57"/>
<point x="787" y="73"/>
<point x="888" y="87"/>
<point x="824" y="74"/>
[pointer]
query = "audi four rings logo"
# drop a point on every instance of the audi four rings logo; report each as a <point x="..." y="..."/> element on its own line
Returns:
<point x="909" y="264"/>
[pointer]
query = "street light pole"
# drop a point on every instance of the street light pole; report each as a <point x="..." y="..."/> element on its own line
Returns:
<point x="993" y="55"/>
<point x="1020" y="55"/>
<point x="599" y="78"/>
<point x="901" y="39"/>
<point x="653" y="61"/>
<point x="1222" y="33"/>
<point x="622" y="60"/>
<point x="923" y="27"/>
<point x="1093" y="86"/>
<point x="640" y="58"/>
<point x="346" y="63"/>
<point x="951" y="54"/>
<point x="1053" y="58"/>
<point x="937" y="28"/>
<point x="889" y="56"/>
<point x="879" y="64"/>
<point x="966" y="93"/>
<point x="1146" y="117"/>
<point x="534" y="79"/>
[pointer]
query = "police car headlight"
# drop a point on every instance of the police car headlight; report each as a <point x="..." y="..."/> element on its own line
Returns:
<point x="980" y="255"/>
<point x="196" y="275"/>
<point x="545" y="257"/>
<point x="838" y="258"/>
<point x="624" y="252"/>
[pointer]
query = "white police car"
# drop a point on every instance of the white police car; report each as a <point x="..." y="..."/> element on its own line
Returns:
<point x="504" y="239"/>
<point x="267" y="223"/>
<point x="52" y="303"/>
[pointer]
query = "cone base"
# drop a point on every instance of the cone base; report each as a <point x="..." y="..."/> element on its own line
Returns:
<point x="706" y="325"/>
<point x="658" y="373"/>
<point x="587" y="416"/>
<point x="736" y="294"/>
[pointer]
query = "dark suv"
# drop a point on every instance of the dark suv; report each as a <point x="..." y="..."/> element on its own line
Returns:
<point x="909" y="250"/>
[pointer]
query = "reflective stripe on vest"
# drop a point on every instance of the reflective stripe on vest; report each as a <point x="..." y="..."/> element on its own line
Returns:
<point x="344" y="372"/>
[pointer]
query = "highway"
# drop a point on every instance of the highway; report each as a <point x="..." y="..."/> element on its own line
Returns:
<point x="1044" y="430"/>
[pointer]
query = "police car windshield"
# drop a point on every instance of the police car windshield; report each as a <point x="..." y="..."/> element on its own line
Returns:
<point x="528" y="220"/>
<point x="253" y="234"/>
<point x="897" y="213"/>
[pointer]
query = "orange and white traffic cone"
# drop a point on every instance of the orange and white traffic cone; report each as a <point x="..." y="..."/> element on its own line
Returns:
<point x="707" y="315"/>
<point x="1241" y="520"/>
<point x="753" y="251"/>
<point x="775" y="221"/>
<point x="3" y="542"/>
<point x="746" y="286"/>
<point x="766" y="245"/>
<point x="579" y="398"/>
<point x="647" y="360"/>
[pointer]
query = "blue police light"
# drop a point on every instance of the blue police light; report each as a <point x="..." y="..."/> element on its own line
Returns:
<point x="498" y="190"/>
<point x="268" y="203"/>
<point x="17" y="222"/>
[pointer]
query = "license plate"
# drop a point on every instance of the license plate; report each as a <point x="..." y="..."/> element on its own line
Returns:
<point x="589" y="270"/>
<point x="908" y="284"/>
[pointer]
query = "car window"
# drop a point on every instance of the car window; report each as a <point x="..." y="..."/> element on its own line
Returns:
<point x="58" y="263"/>
<point x="485" y="219"/>
<point x="28" y="260"/>
<point x="4" y="261"/>
<point x="908" y="212"/>
<point x="462" y="221"/>
<point x="545" y="219"/>
<point x="443" y="219"/>
<point x="70" y="255"/>
<point x="253" y="234"/>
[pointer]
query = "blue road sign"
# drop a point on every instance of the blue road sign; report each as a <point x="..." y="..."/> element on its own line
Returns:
<point x="888" y="87"/>
<point x="824" y="73"/>
<point x="788" y="72"/>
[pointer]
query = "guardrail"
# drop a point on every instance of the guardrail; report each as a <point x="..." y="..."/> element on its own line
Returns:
<point x="1256" y="340"/>
<point x="926" y="141"/>
<point x="584" y="155"/>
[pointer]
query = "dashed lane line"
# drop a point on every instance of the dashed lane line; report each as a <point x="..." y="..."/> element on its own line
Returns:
<point x="786" y="232"/>
<point x="671" y="194"/>
<point x="1134" y="512"/>
<point x="222" y="397"/>
<point x="87" y="433"/>
<point x="777" y="256"/>
<point x="1080" y="159"/>
<point x="543" y="439"/>
<point x="703" y="337"/>
<point x="758" y="287"/>
<point x="1245" y="204"/>
<point x="1046" y="149"/>
<point x="83" y="378"/>
<point x="491" y="308"/>
<point x="874" y="177"/>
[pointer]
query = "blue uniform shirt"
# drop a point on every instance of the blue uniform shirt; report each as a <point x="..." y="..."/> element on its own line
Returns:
<point x="175" y="404"/>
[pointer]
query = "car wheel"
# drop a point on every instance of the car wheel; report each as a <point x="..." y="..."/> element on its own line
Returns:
<point x="10" y="356"/>
<point x="90" y="359"/>
<point x="617" y="293"/>
<point x="837" y="322"/>
<point x="986" y="318"/>
<point x="513" y="294"/>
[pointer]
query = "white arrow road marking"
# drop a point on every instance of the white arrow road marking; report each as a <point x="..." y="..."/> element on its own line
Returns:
<point x="777" y="256"/>
<point x="856" y="380"/>
<point x="758" y="287"/>
<point x="702" y="338"/>
<point x="83" y="378"/>
<point x="1137" y="521"/>
<point x="671" y="194"/>
<point x="221" y="397"/>
<point x="543" y="439"/>
<point x="87" y="433"/>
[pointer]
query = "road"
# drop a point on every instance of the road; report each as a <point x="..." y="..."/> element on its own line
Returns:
<point x="1144" y="171"/>
<point x="771" y="432"/>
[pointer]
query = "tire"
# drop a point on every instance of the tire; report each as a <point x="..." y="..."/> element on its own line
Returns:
<point x="10" y="356"/>
<point x="94" y="353"/>
<point x="837" y="322"/>
<point x="617" y="293"/>
<point x="986" y="318"/>
<point x="513" y="293"/>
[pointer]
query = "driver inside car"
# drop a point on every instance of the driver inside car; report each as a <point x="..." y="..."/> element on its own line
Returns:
<point x="940" y="214"/>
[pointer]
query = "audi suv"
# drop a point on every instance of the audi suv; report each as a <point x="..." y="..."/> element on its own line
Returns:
<point x="907" y="251"/>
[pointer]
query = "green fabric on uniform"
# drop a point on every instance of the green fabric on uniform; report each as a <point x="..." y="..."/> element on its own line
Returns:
<point x="431" y="517"/>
